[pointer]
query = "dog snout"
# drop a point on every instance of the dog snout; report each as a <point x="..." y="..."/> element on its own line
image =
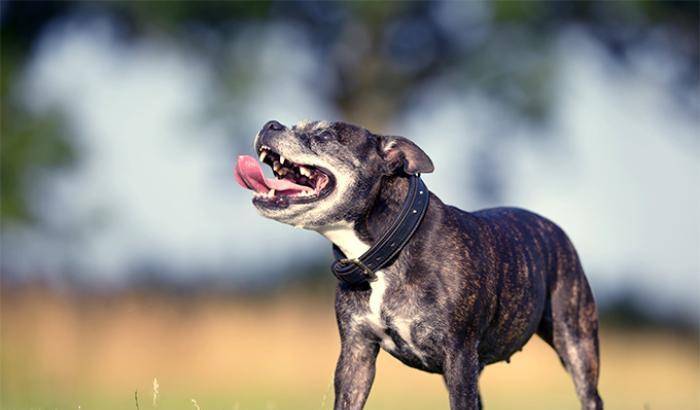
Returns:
<point x="267" y="134"/>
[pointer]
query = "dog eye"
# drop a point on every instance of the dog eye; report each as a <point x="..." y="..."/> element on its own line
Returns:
<point x="325" y="136"/>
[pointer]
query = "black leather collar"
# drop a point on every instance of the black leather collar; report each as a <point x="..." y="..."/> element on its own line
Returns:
<point x="362" y="270"/>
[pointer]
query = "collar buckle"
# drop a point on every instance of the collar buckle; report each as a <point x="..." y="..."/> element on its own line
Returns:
<point x="371" y="276"/>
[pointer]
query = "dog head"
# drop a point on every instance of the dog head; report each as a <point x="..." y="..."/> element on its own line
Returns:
<point x="327" y="172"/>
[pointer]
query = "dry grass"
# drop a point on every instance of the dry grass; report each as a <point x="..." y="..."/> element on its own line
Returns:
<point x="59" y="351"/>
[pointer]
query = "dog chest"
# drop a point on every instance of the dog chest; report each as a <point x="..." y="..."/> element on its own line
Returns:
<point x="400" y="331"/>
<point x="403" y="334"/>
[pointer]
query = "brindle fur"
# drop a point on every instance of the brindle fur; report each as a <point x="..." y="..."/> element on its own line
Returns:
<point x="471" y="288"/>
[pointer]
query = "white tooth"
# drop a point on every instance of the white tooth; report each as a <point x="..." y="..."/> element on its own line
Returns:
<point x="271" y="193"/>
<point x="282" y="159"/>
<point x="304" y="171"/>
<point x="276" y="166"/>
<point x="263" y="154"/>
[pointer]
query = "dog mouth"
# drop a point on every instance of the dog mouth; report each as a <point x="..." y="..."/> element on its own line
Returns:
<point x="293" y="183"/>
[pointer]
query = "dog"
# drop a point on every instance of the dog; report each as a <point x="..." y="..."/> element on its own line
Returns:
<point x="466" y="290"/>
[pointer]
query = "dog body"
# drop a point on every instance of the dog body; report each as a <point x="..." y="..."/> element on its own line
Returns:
<point x="468" y="289"/>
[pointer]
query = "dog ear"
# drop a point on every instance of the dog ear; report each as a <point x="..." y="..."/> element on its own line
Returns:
<point x="400" y="152"/>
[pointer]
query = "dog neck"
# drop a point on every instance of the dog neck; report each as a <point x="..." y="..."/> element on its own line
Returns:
<point x="356" y="237"/>
<point x="346" y="238"/>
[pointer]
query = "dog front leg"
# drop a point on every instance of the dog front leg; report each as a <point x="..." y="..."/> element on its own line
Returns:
<point x="354" y="373"/>
<point x="461" y="373"/>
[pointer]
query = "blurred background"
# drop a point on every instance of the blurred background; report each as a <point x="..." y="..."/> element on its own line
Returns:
<point x="129" y="254"/>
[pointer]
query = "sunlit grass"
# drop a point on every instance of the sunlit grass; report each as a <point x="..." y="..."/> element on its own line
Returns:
<point x="62" y="353"/>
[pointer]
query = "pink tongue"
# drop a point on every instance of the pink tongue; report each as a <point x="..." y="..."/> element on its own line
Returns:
<point x="249" y="175"/>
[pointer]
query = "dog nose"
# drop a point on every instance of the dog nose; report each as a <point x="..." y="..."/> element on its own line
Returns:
<point x="272" y="126"/>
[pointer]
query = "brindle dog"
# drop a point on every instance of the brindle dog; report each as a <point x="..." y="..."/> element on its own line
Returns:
<point x="469" y="289"/>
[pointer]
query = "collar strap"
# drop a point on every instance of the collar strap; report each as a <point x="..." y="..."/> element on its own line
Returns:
<point x="362" y="270"/>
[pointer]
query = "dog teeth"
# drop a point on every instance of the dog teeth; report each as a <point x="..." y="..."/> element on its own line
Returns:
<point x="277" y="166"/>
<point x="305" y="171"/>
<point x="263" y="154"/>
<point x="282" y="159"/>
<point x="271" y="193"/>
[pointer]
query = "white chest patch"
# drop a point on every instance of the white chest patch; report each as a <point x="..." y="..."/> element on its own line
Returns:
<point x="344" y="236"/>
<point x="376" y="297"/>
<point x="374" y="317"/>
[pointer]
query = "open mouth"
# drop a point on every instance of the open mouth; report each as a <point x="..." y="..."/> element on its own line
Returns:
<point x="293" y="183"/>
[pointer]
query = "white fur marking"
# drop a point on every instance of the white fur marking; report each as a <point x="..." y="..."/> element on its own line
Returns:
<point x="322" y="124"/>
<point x="403" y="327"/>
<point x="302" y="124"/>
<point x="390" y="145"/>
<point x="375" y="301"/>
<point x="344" y="236"/>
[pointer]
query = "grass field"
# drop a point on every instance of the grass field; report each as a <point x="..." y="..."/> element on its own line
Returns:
<point x="60" y="351"/>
